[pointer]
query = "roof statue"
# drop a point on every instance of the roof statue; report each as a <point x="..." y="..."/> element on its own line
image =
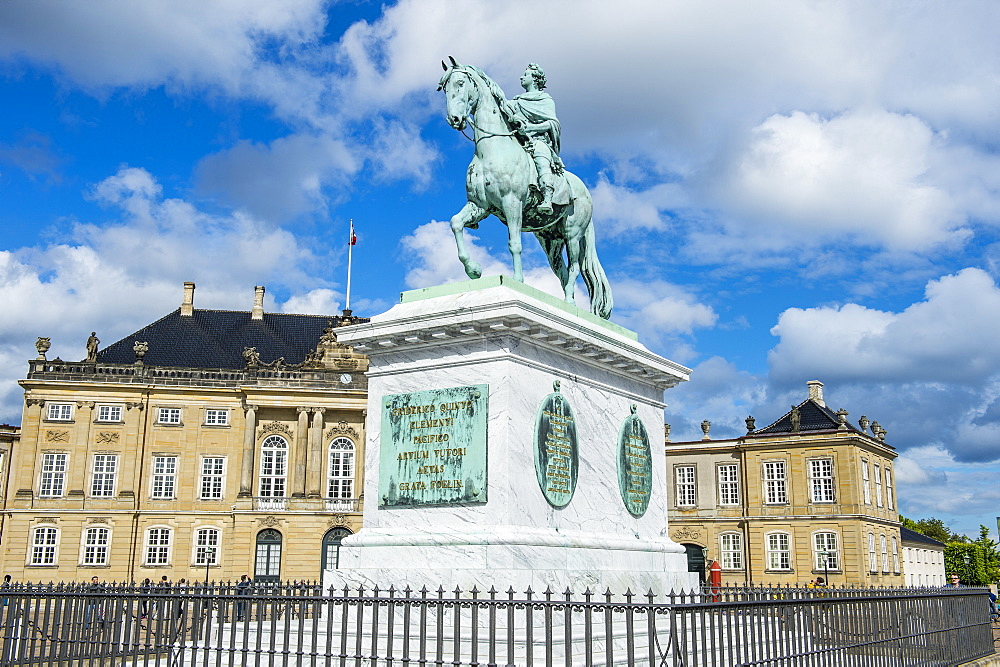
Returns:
<point x="516" y="175"/>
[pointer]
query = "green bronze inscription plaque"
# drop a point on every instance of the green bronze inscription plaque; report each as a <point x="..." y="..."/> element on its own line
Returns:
<point x="433" y="447"/>
<point x="635" y="465"/>
<point x="557" y="458"/>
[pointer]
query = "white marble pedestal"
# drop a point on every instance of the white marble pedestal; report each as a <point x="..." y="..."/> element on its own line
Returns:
<point x="518" y="341"/>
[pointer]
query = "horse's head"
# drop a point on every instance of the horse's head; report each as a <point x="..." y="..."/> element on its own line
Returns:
<point x="461" y="93"/>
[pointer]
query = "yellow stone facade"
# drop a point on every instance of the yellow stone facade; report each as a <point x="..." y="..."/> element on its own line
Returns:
<point x="768" y="505"/>
<point x="128" y="471"/>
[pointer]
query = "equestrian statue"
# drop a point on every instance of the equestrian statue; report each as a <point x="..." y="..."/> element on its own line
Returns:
<point x="516" y="174"/>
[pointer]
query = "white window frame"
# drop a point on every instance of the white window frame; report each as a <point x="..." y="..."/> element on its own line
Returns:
<point x="822" y="541"/>
<point x="872" y="555"/>
<point x="272" y="482"/>
<point x="878" y="485"/>
<point x="104" y="476"/>
<point x="59" y="412"/>
<point x="822" y="485"/>
<point x="779" y="551"/>
<point x="728" y="475"/>
<point x="884" y="544"/>
<point x="157" y="546"/>
<point x="44" y="546"/>
<point x="164" y="483"/>
<point x="889" y="504"/>
<point x="171" y="416"/>
<point x="204" y="539"/>
<point x="96" y="546"/>
<point x="340" y="469"/>
<point x="731" y="551"/>
<point x="895" y="555"/>
<point x="216" y="417"/>
<point x="109" y="413"/>
<point x="866" y="484"/>
<point x="52" y="477"/>
<point x="212" y="480"/>
<point x="775" y="475"/>
<point x="686" y="485"/>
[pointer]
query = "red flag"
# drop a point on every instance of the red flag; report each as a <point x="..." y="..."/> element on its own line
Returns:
<point x="354" y="238"/>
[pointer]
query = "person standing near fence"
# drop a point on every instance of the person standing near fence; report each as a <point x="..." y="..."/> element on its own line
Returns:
<point x="145" y="588"/>
<point x="242" y="592"/>
<point x="94" y="612"/>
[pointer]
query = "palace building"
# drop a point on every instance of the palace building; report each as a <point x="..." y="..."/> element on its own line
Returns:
<point x="208" y="444"/>
<point x="808" y="496"/>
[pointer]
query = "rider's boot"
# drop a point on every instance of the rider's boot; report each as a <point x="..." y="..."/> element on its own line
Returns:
<point x="545" y="206"/>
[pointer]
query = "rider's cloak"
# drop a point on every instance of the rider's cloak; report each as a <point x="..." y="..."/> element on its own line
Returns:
<point x="538" y="106"/>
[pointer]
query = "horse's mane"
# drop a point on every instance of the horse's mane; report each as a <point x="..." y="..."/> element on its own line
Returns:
<point x="509" y="115"/>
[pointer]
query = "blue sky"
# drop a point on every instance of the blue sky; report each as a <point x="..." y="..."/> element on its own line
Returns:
<point x="784" y="191"/>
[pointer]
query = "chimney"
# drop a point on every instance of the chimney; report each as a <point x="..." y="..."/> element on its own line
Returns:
<point x="258" y="303"/>
<point x="187" y="305"/>
<point x="816" y="391"/>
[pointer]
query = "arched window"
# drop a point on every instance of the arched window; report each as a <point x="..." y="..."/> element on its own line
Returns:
<point x="778" y="552"/>
<point x="885" y="554"/>
<point x="330" y="559"/>
<point x="340" y="472"/>
<point x="273" y="466"/>
<point x="696" y="559"/>
<point x="895" y="556"/>
<point x="267" y="565"/>
<point x="206" y="547"/>
<point x="95" y="546"/>
<point x="731" y="551"/>
<point x="44" y="541"/>
<point x="872" y="562"/>
<point x="158" y="546"/>
<point x="827" y="556"/>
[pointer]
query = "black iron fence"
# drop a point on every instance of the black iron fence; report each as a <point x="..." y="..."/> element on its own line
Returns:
<point x="300" y="624"/>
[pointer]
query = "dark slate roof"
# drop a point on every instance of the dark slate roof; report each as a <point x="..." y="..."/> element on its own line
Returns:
<point x="908" y="535"/>
<point x="813" y="417"/>
<point x="216" y="338"/>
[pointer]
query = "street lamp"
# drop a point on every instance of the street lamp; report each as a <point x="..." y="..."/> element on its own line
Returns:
<point x="967" y="559"/>
<point x="209" y="557"/>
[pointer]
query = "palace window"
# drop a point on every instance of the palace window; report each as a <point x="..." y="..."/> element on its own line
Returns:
<point x="168" y="416"/>
<point x="158" y="546"/>
<point x="885" y="553"/>
<point x="685" y="485"/>
<point x="212" y="477"/>
<point x="217" y="417"/>
<point x="102" y="485"/>
<point x="895" y="556"/>
<point x="821" y="480"/>
<point x="775" y="483"/>
<point x="341" y="472"/>
<point x="731" y="551"/>
<point x="878" y="485"/>
<point x="778" y="552"/>
<point x="109" y="413"/>
<point x="729" y="484"/>
<point x="95" y="546"/>
<point x="865" y="482"/>
<point x="164" y="477"/>
<point x="267" y="564"/>
<point x="825" y="550"/>
<point x="60" y="412"/>
<point x="273" y="466"/>
<point x="888" y="489"/>
<point x="43" y="545"/>
<point x="53" y="479"/>
<point x="206" y="550"/>
<point x="872" y="562"/>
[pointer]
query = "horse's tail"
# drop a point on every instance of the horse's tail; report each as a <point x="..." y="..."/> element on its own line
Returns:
<point x="601" y="301"/>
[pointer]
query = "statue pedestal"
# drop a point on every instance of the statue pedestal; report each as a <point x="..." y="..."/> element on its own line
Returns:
<point x="517" y="342"/>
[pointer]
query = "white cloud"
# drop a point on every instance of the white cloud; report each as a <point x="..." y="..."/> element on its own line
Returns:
<point x="719" y="392"/>
<point x="620" y="208"/>
<point x="863" y="174"/>
<point x="320" y="301"/>
<point x="661" y="313"/>
<point x="949" y="336"/>
<point x="144" y="44"/>
<point x="281" y="180"/>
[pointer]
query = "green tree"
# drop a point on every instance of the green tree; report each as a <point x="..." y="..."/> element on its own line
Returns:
<point x="983" y="567"/>
<point x="933" y="528"/>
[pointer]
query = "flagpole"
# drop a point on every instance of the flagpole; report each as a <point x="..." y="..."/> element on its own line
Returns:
<point x="350" y="248"/>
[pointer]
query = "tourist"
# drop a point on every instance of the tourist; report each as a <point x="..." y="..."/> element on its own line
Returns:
<point x="954" y="581"/>
<point x="242" y="591"/>
<point x="94" y="611"/>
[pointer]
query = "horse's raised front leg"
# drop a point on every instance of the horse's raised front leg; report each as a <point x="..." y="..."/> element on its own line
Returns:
<point x="469" y="215"/>
<point x="512" y="209"/>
